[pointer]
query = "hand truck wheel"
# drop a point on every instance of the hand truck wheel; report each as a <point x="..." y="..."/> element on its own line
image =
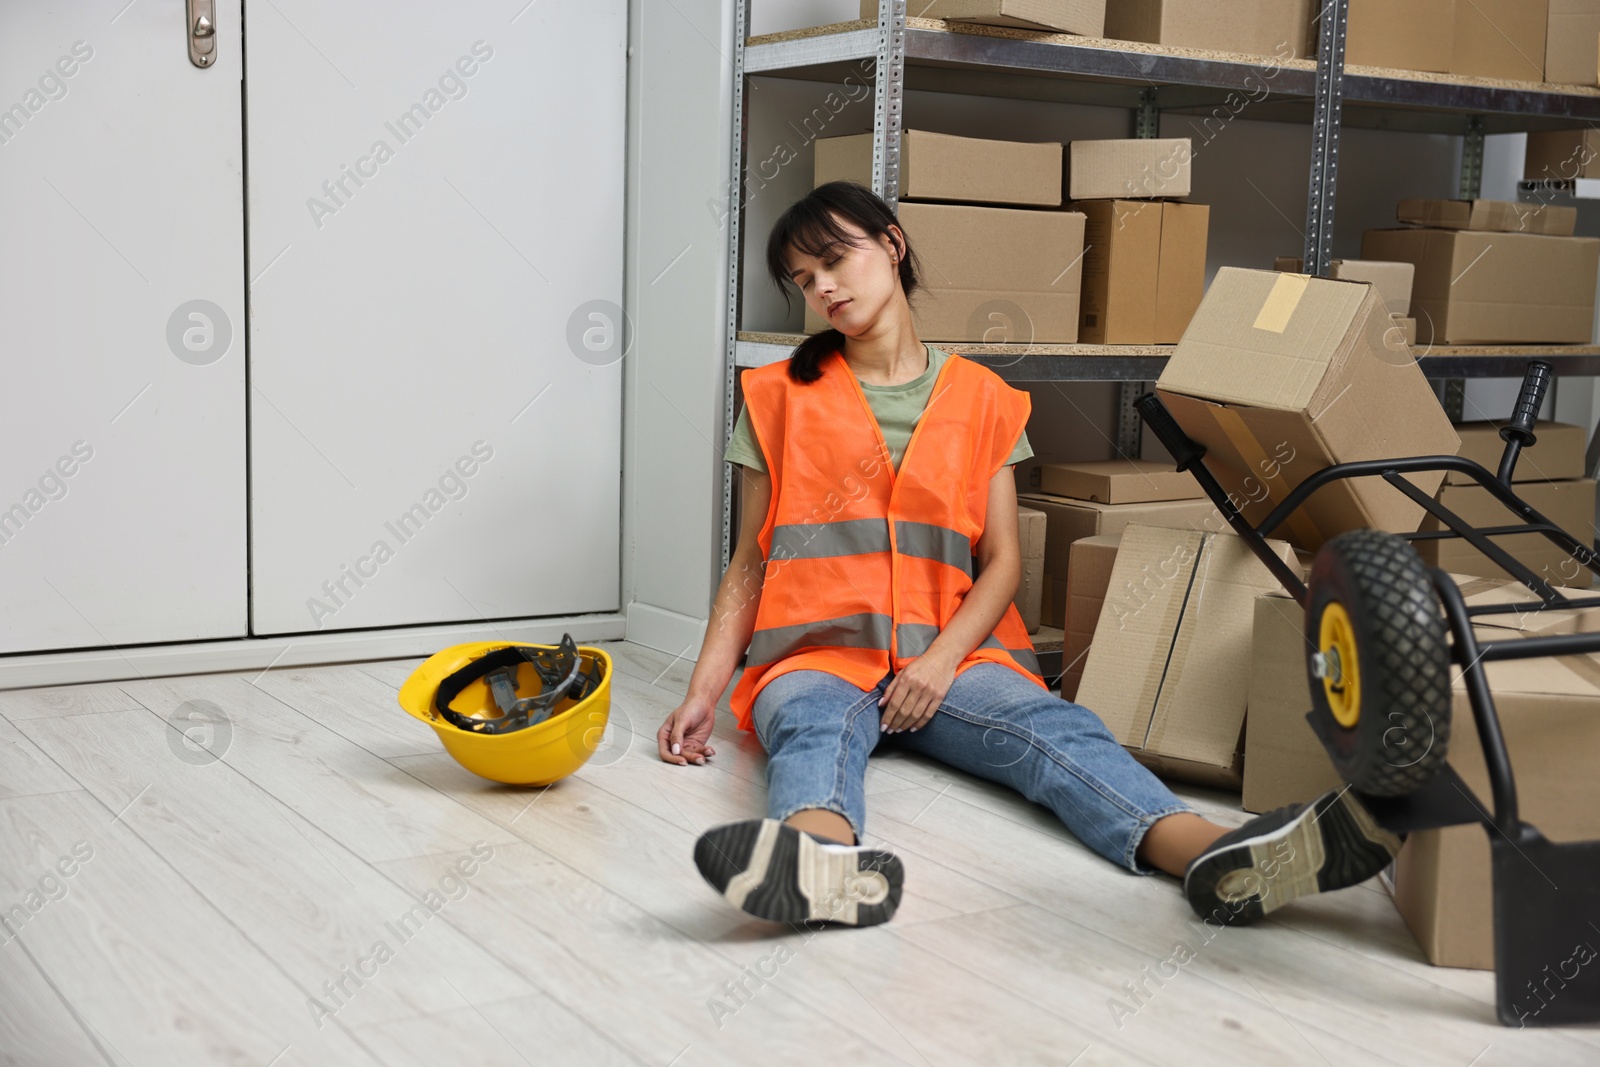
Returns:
<point x="1379" y="665"/>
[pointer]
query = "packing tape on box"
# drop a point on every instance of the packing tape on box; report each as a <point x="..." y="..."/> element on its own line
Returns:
<point x="1281" y="302"/>
<point x="1255" y="457"/>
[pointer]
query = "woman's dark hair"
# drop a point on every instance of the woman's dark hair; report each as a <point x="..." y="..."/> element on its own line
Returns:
<point x="812" y="227"/>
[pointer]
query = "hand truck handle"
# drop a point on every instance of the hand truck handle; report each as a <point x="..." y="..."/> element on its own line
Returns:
<point x="1534" y="385"/>
<point x="1185" y="453"/>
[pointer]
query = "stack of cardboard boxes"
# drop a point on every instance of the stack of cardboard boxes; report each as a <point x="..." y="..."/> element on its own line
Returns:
<point x="1001" y="269"/>
<point x="1095" y="501"/>
<point x="1510" y="40"/>
<point x="1278" y="375"/>
<point x="998" y="268"/>
<point x="1492" y="272"/>
<point x="1144" y="260"/>
<point x="1030" y="590"/>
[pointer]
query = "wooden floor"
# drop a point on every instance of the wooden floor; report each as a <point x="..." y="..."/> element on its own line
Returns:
<point x="334" y="889"/>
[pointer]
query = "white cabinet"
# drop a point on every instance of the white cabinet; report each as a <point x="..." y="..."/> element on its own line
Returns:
<point x="432" y="200"/>
<point x="420" y="421"/>
<point x="122" y="453"/>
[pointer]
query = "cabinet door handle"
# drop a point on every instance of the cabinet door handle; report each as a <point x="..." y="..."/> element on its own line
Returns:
<point x="202" y="30"/>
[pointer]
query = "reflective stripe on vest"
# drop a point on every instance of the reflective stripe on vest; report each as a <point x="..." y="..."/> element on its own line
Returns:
<point x="864" y="630"/>
<point x="853" y="537"/>
<point x="915" y="638"/>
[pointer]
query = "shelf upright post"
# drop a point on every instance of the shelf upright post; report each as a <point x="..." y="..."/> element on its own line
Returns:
<point x="1455" y="389"/>
<point x="1325" y="136"/>
<point x="734" y="214"/>
<point x="888" y="101"/>
<point x="1130" y="428"/>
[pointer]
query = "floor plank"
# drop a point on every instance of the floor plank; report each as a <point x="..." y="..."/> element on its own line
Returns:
<point x="317" y="909"/>
<point x="24" y="770"/>
<point x="155" y="973"/>
<point x="358" y="799"/>
<point x="353" y="704"/>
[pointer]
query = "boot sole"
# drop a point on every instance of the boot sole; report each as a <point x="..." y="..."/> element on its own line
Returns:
<point x="771" y="870"/>
<point x="1332" y="845"/>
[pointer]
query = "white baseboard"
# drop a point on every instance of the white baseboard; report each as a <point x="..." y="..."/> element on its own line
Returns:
<point x="665" y="631"/>
<point x="28" y="670"/>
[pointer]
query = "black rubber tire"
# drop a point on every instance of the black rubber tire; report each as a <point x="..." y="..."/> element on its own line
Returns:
<point x="1402" y="735"/>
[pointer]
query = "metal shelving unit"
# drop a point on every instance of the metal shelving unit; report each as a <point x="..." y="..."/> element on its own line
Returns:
<point x="926" y="54"/>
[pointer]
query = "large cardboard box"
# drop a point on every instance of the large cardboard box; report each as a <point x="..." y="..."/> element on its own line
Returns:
<point x="1549" y="710"/>
<point x="1144" y="268"/>
<point x="937" y="166"/>
<point x="1282" y="29"/>
<point x="1284" y="762"/>
<point x="1280" y="375"/>
<point x="994" y="274"/>
<point x="1403" y="34"/>
<point x="1087" y="17"/>
<point x="1130" y="168"/>
<point x="1479" y="288"/>
<point x="1569" y="504"/>
<point x="1088" y="577"/>
<point x="1068" y="521"/>
<point x="1392" y="280"/>
<point x="1116" y="481"/>
<point x="1572" y="42"/>
<point x="1559" y="451"/>
<point x="1500" y="39"/>
<point x="1169" y="668"/>
<point x="1504" y="216"/>
<point x="1562" y="155"/>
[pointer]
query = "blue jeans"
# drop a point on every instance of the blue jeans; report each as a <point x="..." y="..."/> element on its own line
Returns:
<point x="818" y="731"/>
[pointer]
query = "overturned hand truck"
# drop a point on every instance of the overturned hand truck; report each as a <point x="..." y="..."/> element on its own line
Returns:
<point x="1386" y="630"/>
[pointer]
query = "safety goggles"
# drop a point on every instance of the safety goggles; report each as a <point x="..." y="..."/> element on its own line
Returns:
<point x="561" y="672"/>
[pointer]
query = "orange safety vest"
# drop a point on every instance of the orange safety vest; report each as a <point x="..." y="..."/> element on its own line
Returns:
<point x="865" y="565"/>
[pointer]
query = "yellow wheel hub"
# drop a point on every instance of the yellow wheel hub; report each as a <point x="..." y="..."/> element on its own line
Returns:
<point x="1341" y="677"/>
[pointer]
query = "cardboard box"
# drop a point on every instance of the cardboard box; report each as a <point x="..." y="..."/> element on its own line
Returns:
<point x="1279" y="28"/>
<point x="1404" y="330"/>
<point x="1568" y="504"/>
<point x="1280" y="375"/>
<point x="1030" y="593"/>
<point x="1285" y="762"/>
<point x="1562" y="155"/>
<point x="1116" y="481"/>
<point x="1069" y="521"/>
<point x="1290" y="264"/>
<point x="1476" y="288"/>
<point x="1503" y="216"/>
<point x="1144" y="268"/>
<point x="1500" y="39"/>
<point x="1392" y="280"/>
<point x="937" y="166"/>
<point x="1559" y="451"/>
<point x="1169" y="667"/>
<point x="1087" y="17"/>
<point x="1549" y="712"/>
<point x="1572" y="42"/>
<point x="1030" y="588"/>
<point x="1128" y="168"/>
<point x="993" y="274"/>
<point x="1088" y="577"/>
<point x="1401" y="34"/>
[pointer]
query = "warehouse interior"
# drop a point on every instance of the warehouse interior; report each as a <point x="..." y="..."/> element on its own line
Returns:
<point x="393" y="430"/>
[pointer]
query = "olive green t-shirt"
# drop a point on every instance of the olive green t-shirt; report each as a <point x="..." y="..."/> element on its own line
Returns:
<point x="897" y="408"/>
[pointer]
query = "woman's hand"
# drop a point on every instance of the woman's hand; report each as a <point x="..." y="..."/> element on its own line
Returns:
<point x="916" y="692"/>
<point x="684" y="736"/>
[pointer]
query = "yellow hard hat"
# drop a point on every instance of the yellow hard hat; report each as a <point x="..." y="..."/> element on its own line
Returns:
<point x="472" y="696"/>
